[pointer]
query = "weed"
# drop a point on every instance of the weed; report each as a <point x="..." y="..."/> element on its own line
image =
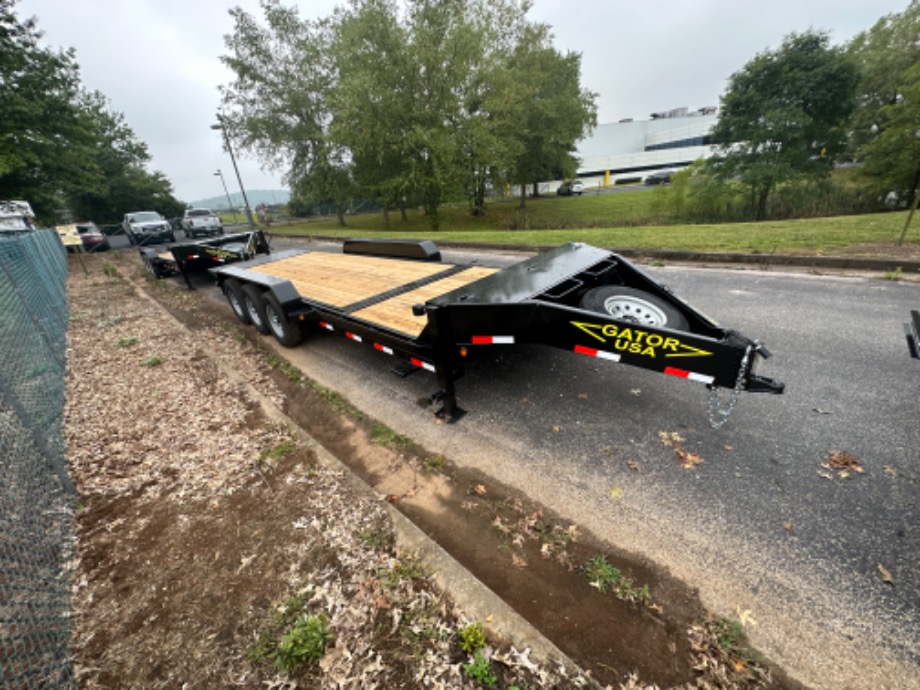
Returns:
<point x="153" y="361"/>
<point x="893" y="275"/>
<point x="472" y="638"/>
<point x="606" y="577"/>
<point x="303" y="643"/>
<point x="127" y="342"/>
<point x="732" y="639"/>
<point x="113" y="321"/>
<point x="279" y="451"/>
<point x="383" y="435"/>
<point x="375" y="540"/>
<point x="335" y="401"/>
<point x="407" y="569"/>
<point x="659" y="263"/>
<point x="434" y="465"/>
<point x="479" y="670"/>
<point x="601" y="574"/>
<point x="109" y="269"/>
<point x="292" y="372"/>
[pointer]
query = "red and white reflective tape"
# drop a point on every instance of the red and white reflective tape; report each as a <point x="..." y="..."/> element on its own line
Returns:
<point x="383" y="348"/>
<point x="683" y="374"/>
<point x="493" y="340"/>
<point x="354" y="336"/>
<point x="602" y="354"/>
<point x="423" y="365"/>
<point x="327" y="326"/>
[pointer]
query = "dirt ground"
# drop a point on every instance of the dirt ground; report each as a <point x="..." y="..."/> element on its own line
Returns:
<point x="208" y="529"/>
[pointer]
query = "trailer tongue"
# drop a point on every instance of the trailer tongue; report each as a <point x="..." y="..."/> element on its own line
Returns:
<point x="398" y="297"/>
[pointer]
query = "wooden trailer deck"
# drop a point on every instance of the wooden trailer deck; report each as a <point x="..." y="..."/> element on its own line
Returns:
<point x="341" y="280"/>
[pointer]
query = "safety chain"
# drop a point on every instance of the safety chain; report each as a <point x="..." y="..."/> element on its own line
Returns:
<point x="719" y="415"/>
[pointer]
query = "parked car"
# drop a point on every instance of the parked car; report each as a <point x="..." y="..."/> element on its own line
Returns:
<point x="16" y="216"/>
<point x="659" y="177"/>
<point x="143" y="227"/>
<point x="201" y="221"/>
<point x="92" y="237"/>
<point x="570" y="188"/>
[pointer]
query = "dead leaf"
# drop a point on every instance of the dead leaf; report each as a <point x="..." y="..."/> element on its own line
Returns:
<point x="480" y="489"/>
<point x="842" y="460"/>
<point x="556" y="428"/>
<point x="582" y="396"/>
<point x="688" y="460"/>
<point x="518" y="561"/>
<point x="745" y="617"/>
<point x="634" y="466"/>
<point x="788" y="526"/>
<point x="820" y="411"/>
<point x="825" y="475"/>
<point x="891" y="470"/>
<point x="616" y="492"/>
<point x="886" y="576"/>
<point x="636" y="391"/>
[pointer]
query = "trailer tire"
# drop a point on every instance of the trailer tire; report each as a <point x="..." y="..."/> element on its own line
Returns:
<point x="149" y="257"/>
<point x="233" y="291"/>
<point x="287" y="332"/>
<point x="255" y="308"/>
<point x="637" y="306"/>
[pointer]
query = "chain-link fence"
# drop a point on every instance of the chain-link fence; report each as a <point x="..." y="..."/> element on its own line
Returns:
<point x="36" y="530"/>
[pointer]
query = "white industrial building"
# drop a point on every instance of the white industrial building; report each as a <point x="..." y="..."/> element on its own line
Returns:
<point x="628" y="150"/>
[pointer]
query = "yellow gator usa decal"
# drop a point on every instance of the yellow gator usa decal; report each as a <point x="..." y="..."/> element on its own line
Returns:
<point x="639" y="342"/>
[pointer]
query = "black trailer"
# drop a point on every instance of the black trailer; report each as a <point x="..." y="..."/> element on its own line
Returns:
<point x="400" y="298"/>
<point x="182" y="258"/>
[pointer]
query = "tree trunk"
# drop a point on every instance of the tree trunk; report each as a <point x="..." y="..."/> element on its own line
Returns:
<point x="523" y="195"/>
<point x="536" y="189"/>
<point x="402" y="212"/>
<point x="340" y="214"/>
<point x="386" y="216"/>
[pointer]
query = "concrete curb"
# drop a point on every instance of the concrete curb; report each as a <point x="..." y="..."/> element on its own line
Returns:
<point x="882" y="265"/>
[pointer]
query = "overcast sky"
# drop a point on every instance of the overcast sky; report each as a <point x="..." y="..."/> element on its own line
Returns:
<point x="158" y="60"/>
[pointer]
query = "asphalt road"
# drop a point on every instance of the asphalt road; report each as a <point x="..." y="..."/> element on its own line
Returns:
<point x="760" y="527"/>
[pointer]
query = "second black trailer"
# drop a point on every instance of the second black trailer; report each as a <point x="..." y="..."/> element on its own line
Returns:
<point x="401" y="299"/>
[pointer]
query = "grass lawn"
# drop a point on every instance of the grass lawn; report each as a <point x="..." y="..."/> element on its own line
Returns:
<point x="627" y="220"/>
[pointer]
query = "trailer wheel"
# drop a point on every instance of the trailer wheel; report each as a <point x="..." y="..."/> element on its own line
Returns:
<point x="149" y="257"/>
<point x="255" y="308"/>
<point x="636" y="306"/>
<point x="287" y="332"/>
<point x="233" y="291"/>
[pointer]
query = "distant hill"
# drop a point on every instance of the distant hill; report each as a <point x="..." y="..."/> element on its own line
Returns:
<point x="255" y="196"/>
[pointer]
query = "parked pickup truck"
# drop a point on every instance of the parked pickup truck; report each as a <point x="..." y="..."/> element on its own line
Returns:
<point x="201" y="221"/>
<point x="144" y="227"/>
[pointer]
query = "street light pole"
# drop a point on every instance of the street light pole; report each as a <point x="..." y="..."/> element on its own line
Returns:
<point x="220" y="126"/>
<point x="227" y="194"/>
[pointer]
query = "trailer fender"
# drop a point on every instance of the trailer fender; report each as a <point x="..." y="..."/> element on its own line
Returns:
<point x="636" y="306"/>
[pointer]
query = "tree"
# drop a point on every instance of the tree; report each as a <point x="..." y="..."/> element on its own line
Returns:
<point x="784" y="116"/>
<point x="279" y="106"/>
<point x="558" y="112"/>
<point x="886" y="123"/>
<point x="43" y="138"/>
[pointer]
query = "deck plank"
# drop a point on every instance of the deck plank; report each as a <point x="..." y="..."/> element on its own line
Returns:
<point x="396" y="312"/>
<point x="343" y="279"/>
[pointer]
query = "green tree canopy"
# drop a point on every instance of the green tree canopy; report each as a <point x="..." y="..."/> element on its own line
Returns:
<point x="784" y="116"/>
<point x="418" y="102"/>
<point x="61" y="146"/>
<point x="886" y="126"/>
